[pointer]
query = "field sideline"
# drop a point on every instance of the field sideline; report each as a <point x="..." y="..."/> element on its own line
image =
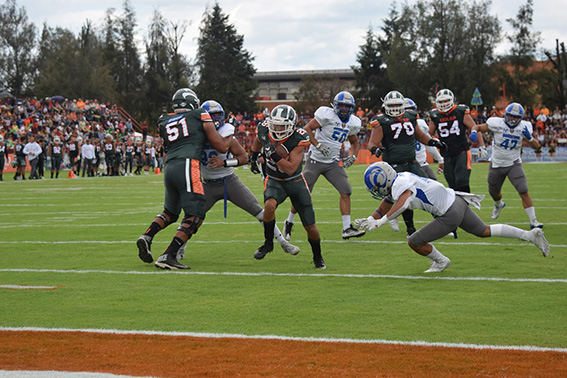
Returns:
<point x="69" y="245"/>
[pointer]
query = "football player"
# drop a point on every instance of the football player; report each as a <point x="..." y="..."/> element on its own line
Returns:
<point x="283" y="147"/>
<point x="221" y="183"/>
<point x="405" y="190"/>
<point x="129" y="157"/>
<point x="397" y="131"/>
<point x="56" y="155"/>
<point x="3" y="156"/>
<point x="109" y="154"/>
<point x="185" y="133"/>
<point x="508" y="133"/>
<point x="328" y="130"/>
<point x="451" y="122"/>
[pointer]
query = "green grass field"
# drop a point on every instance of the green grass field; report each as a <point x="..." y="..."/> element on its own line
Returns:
<point x="80" y="234"/>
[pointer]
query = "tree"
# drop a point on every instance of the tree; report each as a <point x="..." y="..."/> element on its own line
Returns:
<point x="225" y="69"/>
<point x="520" y="84"/>
<point x="556" y="78"/>
<point x="17" y="42"/>
<point x="315" y="91"/>
<point x="72" y="66"/>
<point x="370" y="73"/>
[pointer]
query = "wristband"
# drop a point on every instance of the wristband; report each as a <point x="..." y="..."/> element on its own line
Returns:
<point x="231" y="162"/>
<point x="255" y="155"/>
<point x="275" y="157"/>
<point x="373" y="150"/>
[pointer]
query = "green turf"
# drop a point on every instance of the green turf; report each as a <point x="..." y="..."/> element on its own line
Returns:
<point x="370" y="290"/>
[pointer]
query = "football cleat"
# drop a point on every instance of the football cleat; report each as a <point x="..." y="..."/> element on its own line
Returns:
<point x="319" y="262"/>
<point x="536" y="224"/>
<point x="262" y="252"/>
<point x="352" y="232"/>
<point x="540" y="241"/>
<point x="169" y="262"/>
<point x="439" y="266"/>
<point x="288" y="226"/>
<point x="497" y="209"/>
<point x="144" y="244"/>
<point x="289" y="248"/>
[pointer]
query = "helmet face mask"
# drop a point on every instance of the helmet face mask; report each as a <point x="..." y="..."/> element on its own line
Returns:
<point x="185" y="100"/>
<point x="281" y="123"/>
<point x="216" y="111"/>
<point x="513" y="114"/>
<point x="445" y="100"/>
<point x="378" y="179"/>
<point x="394" y="103"/>
<point x="343" y="104"/>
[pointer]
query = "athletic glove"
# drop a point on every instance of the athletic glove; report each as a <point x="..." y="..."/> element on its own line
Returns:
<point x="348" y="161"/>
<point x="376" y="151"/>
<point x="370" y="223"/>
<point x="324" y="150"/>
<point x="442" y="146"/>
<point x="482" y="153"/>
<point x="527" y="134"/>
<point x="474" y="136"/>
<point x="254" y="163"/>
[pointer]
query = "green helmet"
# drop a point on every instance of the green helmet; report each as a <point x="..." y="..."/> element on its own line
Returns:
<point x="184" y="100"/>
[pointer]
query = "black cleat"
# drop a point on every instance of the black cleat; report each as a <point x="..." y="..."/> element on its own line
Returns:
<point x="262" y="252"/>
<point x="168" y="262"/>
<point x="410" y="231"/>
<point x="319" y="262"/>
<point x="144" y="244"/>
<point x="288" y="226"/>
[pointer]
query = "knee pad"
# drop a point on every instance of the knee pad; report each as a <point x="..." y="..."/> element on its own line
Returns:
<point x="192" y="228"/>
<point x="172" y="217"/>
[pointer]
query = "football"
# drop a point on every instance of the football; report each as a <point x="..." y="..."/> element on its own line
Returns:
<point x="282" y="151"/>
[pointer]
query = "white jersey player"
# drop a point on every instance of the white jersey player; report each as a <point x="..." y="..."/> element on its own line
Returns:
<point x="508" y="134"/>
<point x="328" y="130"/>
<point x="221" y="183"/>
<point x="450" y="209"/>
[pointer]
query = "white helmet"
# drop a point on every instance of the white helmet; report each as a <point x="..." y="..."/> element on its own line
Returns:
<point x="281" y="123"/>
<point x="379" y="178"/>
<point x="79" y="139"/>
<point x="1" y="138"/>
<point x="394" y="104"/>
<point x="445" y="100"/>
<point x="57" y="140"/>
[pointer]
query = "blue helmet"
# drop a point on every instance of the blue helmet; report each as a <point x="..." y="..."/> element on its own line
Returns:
<point x="344" y="98"/>
<point x="216" y="111"/>
<point x="513" y="114"/>
<point x="378" y="179"/>
<point x="409" y="104"/>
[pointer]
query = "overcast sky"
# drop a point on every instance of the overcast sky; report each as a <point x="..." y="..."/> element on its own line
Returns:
<point x="283" y="35"/>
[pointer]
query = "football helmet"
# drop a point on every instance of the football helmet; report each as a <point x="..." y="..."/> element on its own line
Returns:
<point x="379" y="178"/>
<point x="109" y="137"/>
<point x="56" y="140"/>
<point x="184" y="100"/>
<point x="344" y="105"/>
<point x="394" y="103"/>
<point x="513" y="114"/>
<point x="410" y="104"/>
<point x="216" y="111"/>
<point x="80" y="139"/>
<point x="445" y="100"/>
<point x="281" y="123"/>
<point x="1" y="138"/>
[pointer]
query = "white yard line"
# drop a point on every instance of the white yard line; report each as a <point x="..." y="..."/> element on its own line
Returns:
<point x="527" y="348"/>
<point x="268" y="274"/>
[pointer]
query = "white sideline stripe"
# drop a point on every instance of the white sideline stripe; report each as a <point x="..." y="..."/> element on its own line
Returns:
<point x="268" y="274"/>
<point x="527" y="348"/>
<point x="260" y="241"/>
<point x="27" y="287"/>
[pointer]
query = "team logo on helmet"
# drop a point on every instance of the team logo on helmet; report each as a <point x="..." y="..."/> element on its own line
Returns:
<point x="445" y="100"/>
<point x="513" y="114"/>
<point x="184" y="100"/>
<point x="281" y="123"/>
<point x="379" y="178"/>
<point x="344" y="105"/>
<point x="216" y="111"/>
<point x="393" y="104"/>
